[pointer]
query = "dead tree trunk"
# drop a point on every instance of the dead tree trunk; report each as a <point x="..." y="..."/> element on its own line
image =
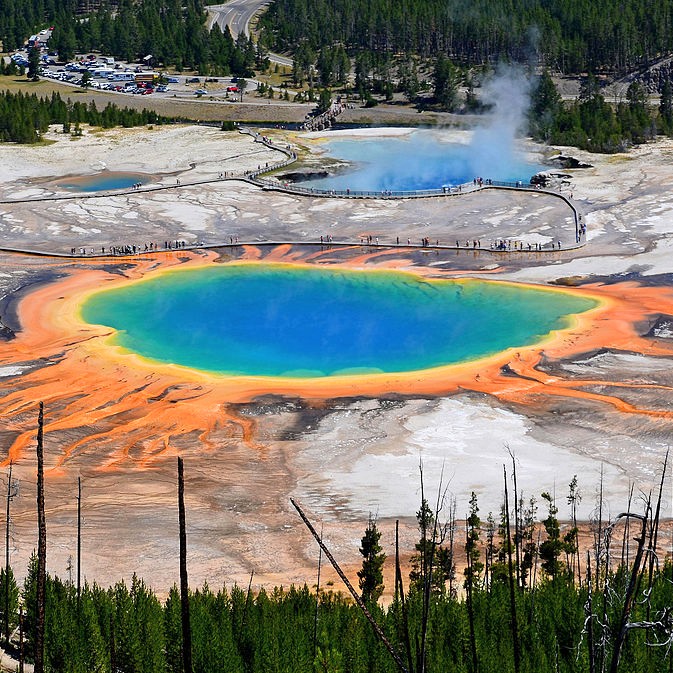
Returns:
<point x="41" y="548"/>
<point x="512" y="592"/>
<point x="517" y="529"/>
<point x="654" y="535"/>
<point x="246" y="607"/>
<point x="79" y="546"/>
<point x="399" y="591"/>
<point x="317" y="602"/>
<point x="9" y="498"/>
<point x="590" y="617"/>
<point x="631" y="589"/>
<point x="356" y="596"/>
<point x="184" y="583"/>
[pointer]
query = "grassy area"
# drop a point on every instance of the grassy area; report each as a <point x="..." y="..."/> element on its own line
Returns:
<point x="43" y="87"/>
<point x="253" y="109"/>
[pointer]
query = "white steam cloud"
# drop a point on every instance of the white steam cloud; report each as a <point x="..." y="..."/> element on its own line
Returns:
<point x="493" y="148"/>
<point x="428" y="159"/>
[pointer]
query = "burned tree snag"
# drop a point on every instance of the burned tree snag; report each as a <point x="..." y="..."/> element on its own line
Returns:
<point x="351" y="589"/>
<point x="184" y="584"/>
<point x="41" y="548"/>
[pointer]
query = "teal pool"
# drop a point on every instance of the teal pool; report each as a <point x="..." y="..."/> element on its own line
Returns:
<point x="276" y="320"/>
<point x="103" y="181"/>
<point x="422" y="160"/>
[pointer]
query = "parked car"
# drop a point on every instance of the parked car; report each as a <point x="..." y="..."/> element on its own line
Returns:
<point x="172" y="80"/>
<point x="192" y="80"/>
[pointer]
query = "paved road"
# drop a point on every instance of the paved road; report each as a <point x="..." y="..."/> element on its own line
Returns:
<point x="237" y="14"/>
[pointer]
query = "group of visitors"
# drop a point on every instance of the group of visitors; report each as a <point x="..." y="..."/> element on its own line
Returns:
<point x="130" y="248"/>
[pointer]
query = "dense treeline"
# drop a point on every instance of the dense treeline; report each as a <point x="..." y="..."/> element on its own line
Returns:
<point x="126" y="629"/>
<point x="25" y="117"/>
<point x="172" y="31"/>
<point x="528" y="601"/>
<point x="19" y="19"/>
<point x="573" y="36"/>
<point x="592" y="123"/>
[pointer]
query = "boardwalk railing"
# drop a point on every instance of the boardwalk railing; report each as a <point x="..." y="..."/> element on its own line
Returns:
<point x="255" y="177"/>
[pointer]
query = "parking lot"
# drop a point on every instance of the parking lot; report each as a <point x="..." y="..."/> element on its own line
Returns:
<point x="134" y="79"/>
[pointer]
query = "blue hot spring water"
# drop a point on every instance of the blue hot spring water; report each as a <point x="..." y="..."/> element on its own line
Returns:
<point x="421" y="160"/>
<point x="103" y="181"/>
<point x="275" y="320"/>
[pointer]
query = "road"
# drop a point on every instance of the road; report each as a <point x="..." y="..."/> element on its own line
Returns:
<point x="237" y="14"/>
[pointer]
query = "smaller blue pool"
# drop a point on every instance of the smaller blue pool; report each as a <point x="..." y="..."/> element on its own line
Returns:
<point x="104" y="181"/>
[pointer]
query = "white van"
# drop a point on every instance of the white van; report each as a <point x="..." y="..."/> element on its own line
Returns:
<point x="122" y="77"/>
<point x="102" y="72"/>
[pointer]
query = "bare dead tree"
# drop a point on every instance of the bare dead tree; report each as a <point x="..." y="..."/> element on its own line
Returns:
<point x="449" y="531"/>
<point x="599" y="534"/>
<point x="399" y="594"/>
<point x="533" y="577"/>
<point x="632" y="585"/>
<point x="438" y="536"/>
<point x="356" y="596"/>
<point x="602" y="552"/>
<point x="517" y="527"/>
<point x="512" y="593"/>
<point x="79" y="546"/>
<point x="184" y="580"/>
<point x="589" y="609"/>
<point x="246" y="607"/>
<point x="317" y="601"/>
<point x="654" y="535"/>
<point x="12" y="491"/>
<point x="660" y="626"/>
<point x="626" y="537"/>
<point x="41" y="588"/>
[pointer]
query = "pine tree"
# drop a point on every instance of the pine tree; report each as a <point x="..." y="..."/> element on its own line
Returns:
<point x="552" y="548"/>
<point x="33" y="64"/>
<point x="546" y="105"/>
<point x="474" y="566"/>
<point x="447" y="79"/>
<point x="371" y="574"/>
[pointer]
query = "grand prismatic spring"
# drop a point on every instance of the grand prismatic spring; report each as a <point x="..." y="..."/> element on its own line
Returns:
<point x="272" y="320"/>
